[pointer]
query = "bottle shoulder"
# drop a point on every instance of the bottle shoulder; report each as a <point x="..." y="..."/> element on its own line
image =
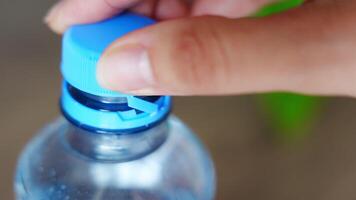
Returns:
<point x="178" y="136"/>
<point x="48" y="160"/>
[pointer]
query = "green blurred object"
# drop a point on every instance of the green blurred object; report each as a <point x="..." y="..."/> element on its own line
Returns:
<point x="290" y="115"/>
<point x="278" y="6"/>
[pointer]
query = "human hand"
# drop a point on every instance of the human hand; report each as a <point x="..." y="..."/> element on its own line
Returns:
<point x="309" y="50"/>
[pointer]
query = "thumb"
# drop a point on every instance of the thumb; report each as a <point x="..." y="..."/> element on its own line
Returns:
<point x="213" y="55"/>
<point x="175" y="57"/>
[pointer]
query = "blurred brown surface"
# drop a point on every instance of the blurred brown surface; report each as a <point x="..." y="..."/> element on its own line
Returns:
<point x="249" y="165"/>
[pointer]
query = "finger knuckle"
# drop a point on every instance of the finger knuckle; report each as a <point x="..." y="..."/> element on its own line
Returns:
<point x="199" y="54"/>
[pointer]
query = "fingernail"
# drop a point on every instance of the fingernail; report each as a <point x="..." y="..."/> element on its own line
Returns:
<point x="125" y="69"/>
<point x="52" y="18"/>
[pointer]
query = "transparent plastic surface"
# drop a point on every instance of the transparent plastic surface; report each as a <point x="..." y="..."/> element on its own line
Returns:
<point x="166" y="162"/>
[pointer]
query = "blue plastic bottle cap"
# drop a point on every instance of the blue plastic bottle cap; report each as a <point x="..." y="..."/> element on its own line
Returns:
<point x="84" y="44"/>
<point x="82" y="47"/>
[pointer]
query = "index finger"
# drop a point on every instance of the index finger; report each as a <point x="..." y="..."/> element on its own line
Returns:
<point x="68" y="12"/>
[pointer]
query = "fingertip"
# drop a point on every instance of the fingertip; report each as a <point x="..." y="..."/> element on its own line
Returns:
<point x="51" y="18"/>
<point x="56" y="26"/>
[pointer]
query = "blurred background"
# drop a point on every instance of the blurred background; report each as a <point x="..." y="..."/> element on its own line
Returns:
<point x="253" y="160"/>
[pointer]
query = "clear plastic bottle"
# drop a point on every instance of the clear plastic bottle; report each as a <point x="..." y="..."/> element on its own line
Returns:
<point x="111" y="146"/>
